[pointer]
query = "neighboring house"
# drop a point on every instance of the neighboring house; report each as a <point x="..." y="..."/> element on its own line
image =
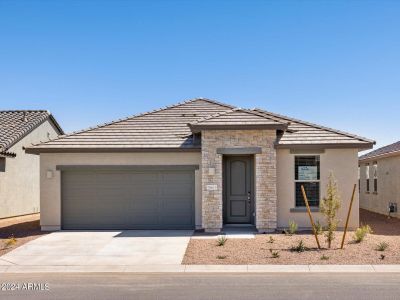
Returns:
<point x="19" y="172"/>
<point x="379" y="174"/>
<point x="197" y="164"/>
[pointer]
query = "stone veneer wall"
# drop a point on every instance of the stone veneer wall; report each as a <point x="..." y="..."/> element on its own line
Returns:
<point x="265" y="175"/>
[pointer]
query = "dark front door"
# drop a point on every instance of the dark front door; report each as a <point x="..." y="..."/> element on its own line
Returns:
<point x="238" y="187"/>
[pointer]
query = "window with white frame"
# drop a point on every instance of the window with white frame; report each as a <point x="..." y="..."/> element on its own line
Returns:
<point x="375" y="170"/>
<point x="367" y="176"/>
<point x="307" y="174"/>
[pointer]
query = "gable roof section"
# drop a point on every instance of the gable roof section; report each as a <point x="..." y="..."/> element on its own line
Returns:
<point x="165" y="128"/>
<point x="16" y="124"/>
<point x="237" y="118"/>
<point x="392" y="149"/>
<point x="305" y="134"/>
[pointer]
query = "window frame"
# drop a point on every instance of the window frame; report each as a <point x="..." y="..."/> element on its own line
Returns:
<point x="307" y="181"/>
<point x="367" y="171"/>
<point x="375" y="176"/>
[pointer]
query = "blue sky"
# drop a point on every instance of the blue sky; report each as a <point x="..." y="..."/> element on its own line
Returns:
<point x="336" y="63"/>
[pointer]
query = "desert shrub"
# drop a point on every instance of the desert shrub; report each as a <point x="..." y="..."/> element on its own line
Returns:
<point x="293" y="227"/>
<point x="274" y="253"/>
<point x="221" y="240"/>
<point x="361" y="233"/>
<point x="11" y="241"/>
<point x="271" y="240"/>
<point x="382" y="246"/>
<point x="221" y="256"/>
<point x="318" y="227"/>
<point x="300" y="247"/>
<point x="329" y="206"/>
<point x="382" y="257"/>
<point x="324" y="257"/>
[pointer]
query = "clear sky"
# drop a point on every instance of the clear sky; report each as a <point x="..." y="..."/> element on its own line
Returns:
<point x="336" y="63"/>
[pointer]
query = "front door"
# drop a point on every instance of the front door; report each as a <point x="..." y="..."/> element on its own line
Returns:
<point x="238" y="189"/>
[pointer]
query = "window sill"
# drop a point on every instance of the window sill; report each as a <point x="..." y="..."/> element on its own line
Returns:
<point x="304" y="209"/>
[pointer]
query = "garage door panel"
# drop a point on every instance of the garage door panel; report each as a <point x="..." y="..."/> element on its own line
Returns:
<point x="127" y="199"/>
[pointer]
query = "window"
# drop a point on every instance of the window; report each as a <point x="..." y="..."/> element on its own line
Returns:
<point x="375" y="169"/>
<point x="367" y="176"/>
<point x="2" y="164"/>
<point x="307" y="173"/>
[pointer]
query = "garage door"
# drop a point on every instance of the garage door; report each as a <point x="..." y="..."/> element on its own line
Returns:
<point x="127" y="199"/>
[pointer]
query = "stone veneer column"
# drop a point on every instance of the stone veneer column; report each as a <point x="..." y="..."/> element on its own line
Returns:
<point x="265" y="176"/>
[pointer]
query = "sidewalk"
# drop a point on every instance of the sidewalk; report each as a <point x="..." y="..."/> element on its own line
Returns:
<point x="203" y="269"/>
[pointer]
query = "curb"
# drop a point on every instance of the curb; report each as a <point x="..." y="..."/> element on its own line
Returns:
<point x="204" y="269"/>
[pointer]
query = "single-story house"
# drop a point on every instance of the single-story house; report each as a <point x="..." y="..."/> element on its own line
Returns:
<point x="19" y="172"/>
<point x="379" y="175"/>
<point x="197" y="164"/>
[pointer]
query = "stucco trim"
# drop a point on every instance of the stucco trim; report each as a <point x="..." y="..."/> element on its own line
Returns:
<point x="107" y="150"/>
<point x="239" y="151"/>
<point x="126" y="167"/>
<point x="303" y="209"/>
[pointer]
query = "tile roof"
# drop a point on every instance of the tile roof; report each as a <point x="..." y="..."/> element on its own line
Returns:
<point x="169" y="128"/>
<point x="237" y="117"/>
<point x="15" y="124"/>
<point x="304" y="133"/>
<point x="389" y="149"/>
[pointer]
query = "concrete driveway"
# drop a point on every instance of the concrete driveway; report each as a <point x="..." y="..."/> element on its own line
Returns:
<point x="102" y="248"/>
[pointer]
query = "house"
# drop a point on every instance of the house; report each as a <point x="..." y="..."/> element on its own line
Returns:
<point x="197" y="164"/>
<point x="379" y="175"/>
<point x="19" y="172"/>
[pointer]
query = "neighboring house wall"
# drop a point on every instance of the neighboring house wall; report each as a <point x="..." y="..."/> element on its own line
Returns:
<point x="388" y="185"/>
<point x="19" y="184"/>
<point x="343" y="164"/>
<point x="50" y="193"/>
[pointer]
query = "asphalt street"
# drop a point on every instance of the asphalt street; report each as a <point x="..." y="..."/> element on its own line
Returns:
<point x="201" y="286"/>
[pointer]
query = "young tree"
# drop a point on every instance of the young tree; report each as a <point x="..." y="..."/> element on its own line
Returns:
<point x="329" y="207"/>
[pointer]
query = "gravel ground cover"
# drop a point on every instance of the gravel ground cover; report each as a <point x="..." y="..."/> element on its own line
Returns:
<point x="23" y="229"/>
<point x="263" y="250"/>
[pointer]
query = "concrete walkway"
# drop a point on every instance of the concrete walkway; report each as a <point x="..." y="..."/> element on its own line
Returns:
<point x="201" y="269"/>
<point x="100" y="248"/>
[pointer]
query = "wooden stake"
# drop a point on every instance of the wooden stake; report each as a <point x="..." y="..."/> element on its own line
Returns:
<point x="309" y="214"/>
<point x="348" y="216"/>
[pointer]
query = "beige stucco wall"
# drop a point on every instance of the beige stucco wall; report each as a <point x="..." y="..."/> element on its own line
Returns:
<point x="19" y="184"/>
<point x="342" y="162"/>
<point x="388" y="185"/>
<point x="50" y="195"/>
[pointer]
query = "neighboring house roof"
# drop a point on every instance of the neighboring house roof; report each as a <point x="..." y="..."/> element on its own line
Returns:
<point x="392" y="149"/>
<point x="16" y="124"/>
<point x="236" y="118"/>
<point x="169" y="129"/>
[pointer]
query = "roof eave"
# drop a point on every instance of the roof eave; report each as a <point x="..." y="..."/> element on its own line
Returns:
<point x="39" y="150"/>
<point x="359" y="146"/>
<point x="379" y="156"/>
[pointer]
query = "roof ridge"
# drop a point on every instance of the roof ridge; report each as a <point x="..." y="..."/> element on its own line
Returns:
<point x="131" y="117"/>
<point x="24" y="110"/>
<point x="316" y="125"/>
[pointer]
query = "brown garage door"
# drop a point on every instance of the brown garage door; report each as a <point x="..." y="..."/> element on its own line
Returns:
<point x="101" y="198"/>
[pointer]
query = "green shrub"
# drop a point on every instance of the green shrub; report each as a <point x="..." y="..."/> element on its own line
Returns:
<point x="300" y="247"/>
<point x="361" y="233"/>
<point x="293" y="227"/>
<point x="324" y="257"/>
<point x="221" y="240"/>
<point x="221" y="256"/>
<point x="382" y="246"/>
<point x="275" y="254"/>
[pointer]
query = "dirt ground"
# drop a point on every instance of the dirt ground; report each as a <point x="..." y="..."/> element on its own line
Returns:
<point x="24" y="229"/>
<point x="257" y="250"/>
